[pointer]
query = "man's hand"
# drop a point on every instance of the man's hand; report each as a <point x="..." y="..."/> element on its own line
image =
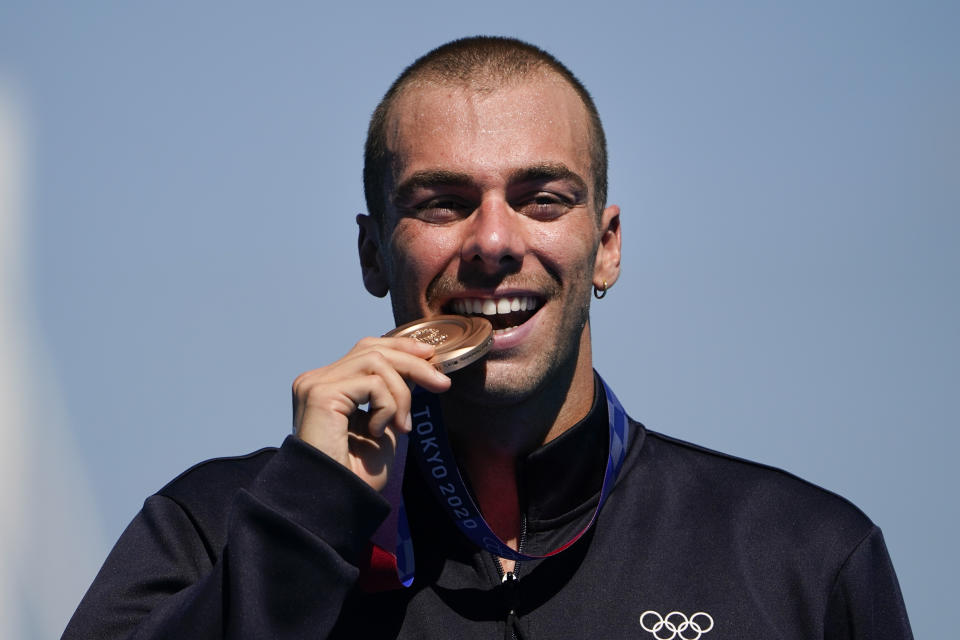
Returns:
<point x="377" y="371"/>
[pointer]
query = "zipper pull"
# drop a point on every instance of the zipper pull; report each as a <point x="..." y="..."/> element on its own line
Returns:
<point x="511" y="597"/>
<point x="511" y="593"/>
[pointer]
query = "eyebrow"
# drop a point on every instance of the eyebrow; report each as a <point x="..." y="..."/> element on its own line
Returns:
<point x="430" y="178"/>
<point x="547" y="172"/>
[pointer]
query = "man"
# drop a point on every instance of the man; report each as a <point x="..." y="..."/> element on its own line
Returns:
<point x="485" y="180"/>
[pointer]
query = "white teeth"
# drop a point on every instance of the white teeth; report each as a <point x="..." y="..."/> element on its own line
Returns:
<point x="490" y="307"/>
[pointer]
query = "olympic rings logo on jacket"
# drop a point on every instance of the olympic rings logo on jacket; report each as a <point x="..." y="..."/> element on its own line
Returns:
<point x="676" y="625"/>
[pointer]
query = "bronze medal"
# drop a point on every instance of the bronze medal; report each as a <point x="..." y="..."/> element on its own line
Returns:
<point x="459" y="340"/>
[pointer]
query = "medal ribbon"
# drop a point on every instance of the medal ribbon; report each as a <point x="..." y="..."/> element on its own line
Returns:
<point x="428" y="443"/>
<point x="431" y="448"/>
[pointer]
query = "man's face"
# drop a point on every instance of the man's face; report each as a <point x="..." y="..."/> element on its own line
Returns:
<point x="489" y="212"/>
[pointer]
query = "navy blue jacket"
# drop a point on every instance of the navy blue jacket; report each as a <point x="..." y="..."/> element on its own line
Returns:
<point x="691" y="545"/>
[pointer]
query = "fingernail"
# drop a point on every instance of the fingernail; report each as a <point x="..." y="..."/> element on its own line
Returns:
<point x="408" y="423"/>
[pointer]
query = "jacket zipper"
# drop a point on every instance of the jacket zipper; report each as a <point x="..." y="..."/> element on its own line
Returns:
<point x="510" y="581"/>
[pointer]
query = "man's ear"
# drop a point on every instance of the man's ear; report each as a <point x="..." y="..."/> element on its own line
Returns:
<point x="371" y="260"/>
<point x="606" y="267"/>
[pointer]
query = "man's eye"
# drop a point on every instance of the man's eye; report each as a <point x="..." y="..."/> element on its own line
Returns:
<point x="441" y="210"/>
<point x="544" y="206"/>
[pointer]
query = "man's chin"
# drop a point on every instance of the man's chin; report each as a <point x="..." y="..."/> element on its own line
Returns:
<point x="493" y="383"/>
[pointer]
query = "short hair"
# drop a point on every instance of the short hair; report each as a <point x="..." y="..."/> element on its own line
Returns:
<point x="484" y="63"/>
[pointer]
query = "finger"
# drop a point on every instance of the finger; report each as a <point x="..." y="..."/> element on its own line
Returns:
<point x="390" y="347"/>
<point x="408" y="345"/>
<point x="340" y="387"/>
<point x="331" y="410"/>
<point x="400" y="390"/>
<point x="399" y="370"/>
<point x="387" y="395"/>
<point x="410" y="367"/>
<point x="383" y="405"/>
<point x="345" y="396"/>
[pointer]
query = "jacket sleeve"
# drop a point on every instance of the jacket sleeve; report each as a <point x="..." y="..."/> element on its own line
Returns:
<point x="292" y="545"/>
<point x="865" y="602"/>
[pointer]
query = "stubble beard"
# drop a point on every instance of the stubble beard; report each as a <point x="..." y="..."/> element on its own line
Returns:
<point x="505" y="379"/>
<point x="510" y="378"/>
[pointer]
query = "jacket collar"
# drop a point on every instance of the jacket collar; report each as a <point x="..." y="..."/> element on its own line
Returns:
<point x="567" y="472"/>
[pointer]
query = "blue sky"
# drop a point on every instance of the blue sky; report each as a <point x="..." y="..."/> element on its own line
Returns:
<point x="189" y="175"/>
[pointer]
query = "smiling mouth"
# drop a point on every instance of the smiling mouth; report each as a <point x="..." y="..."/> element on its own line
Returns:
<point x="503" y="313"/>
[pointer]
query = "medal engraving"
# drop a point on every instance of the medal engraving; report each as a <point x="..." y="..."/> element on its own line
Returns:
<point x="459" y="340"/>
<point x="429" y="335"/>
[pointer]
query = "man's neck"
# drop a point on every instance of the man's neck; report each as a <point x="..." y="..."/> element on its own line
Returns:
<point x="486" y="430"/>
<point x="489" y="439"/>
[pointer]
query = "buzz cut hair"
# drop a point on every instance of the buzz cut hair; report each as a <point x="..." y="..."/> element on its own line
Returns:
<point x="481" y="63"/>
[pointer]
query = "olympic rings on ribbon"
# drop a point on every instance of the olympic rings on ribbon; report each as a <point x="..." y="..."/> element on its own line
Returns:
<point x="677" y="624"/>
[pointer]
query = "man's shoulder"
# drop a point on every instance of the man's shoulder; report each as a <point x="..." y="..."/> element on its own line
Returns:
<point x="218" y="475"/>
<point x="205" y="491"/>
<point x="751" y="493"/>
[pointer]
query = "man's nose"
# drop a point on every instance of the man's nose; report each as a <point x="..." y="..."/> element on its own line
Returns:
<point x="494" y="237"/>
